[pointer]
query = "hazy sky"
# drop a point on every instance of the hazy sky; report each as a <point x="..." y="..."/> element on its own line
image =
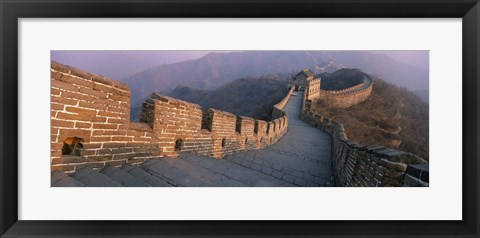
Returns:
<point x="416" y="58"/>
<point x="121" y="64"/>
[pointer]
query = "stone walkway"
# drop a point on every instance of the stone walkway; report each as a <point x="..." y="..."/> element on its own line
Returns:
<point x="302" y="157"/>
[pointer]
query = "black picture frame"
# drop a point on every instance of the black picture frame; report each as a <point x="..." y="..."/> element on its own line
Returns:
<point x="11" y="11"/>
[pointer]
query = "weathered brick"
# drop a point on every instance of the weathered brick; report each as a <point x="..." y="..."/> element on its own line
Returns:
<point x="92" y="105"/>
<point x="147" y="154"/>
<point x="142" y="139"/>
<point x="79" y="73"/>
<point x="99" y="119"/>
<point x="91" y="165"/>
<point x="121" y="138"/>
<point x="82" y="111"/>
<point x="62" y="168"/>
<point x="104" y="152"/>
<point x="135" y="144"/>
<point x="101" y="139"/>
<point x="67" y="94"/>
<point x="122" y="150"/>
<point x="73" y="117"/>
<point x="93" y="93"/>
<point x="103" y="88"/>
<point x="97" y="158"/>
<point x="54" y="91"/>
<point x="105" y="126"/>
<point x="135" y="133"/>
<point x="123" y="110"/>
<point x="92" y="146"/>
<point x="89" y="152"/>
<point x="118" y="97"/>
<point x="69" y="160"/>
<point x="110" y="114"/>
<point x="107" y="102"/>
<point x="114" y="145"/>
<point x="123" y="156"/>
<point x="110" y="82"/>
<point x="64" y="101"/>
<point x="117" y="121"/>
<point x="136" y="160"/>
<point x="61" y="123"/>
<point x="108" y="133"/>
<point x="116" y="162"/>
<point x="142" y="150"/>
<point x="78" y="81"/>
<point x="83" y="124"/>
<point x="57" y="107"/>
<point x="57" y="68"/>
<point x="65" y="86"/>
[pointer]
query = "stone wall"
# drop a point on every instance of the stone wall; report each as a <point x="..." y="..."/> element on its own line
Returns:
<point x="97" y="110"/>
<point x="313" y="89"/>
<point x="366" y="166"/>
<point x="347" y="97"/>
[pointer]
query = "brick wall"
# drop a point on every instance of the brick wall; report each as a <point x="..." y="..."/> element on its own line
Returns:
<point x="313" y="90"/>
<point x="359" y="165"/>
<point x="347" y="97"/>
<point x="97" y="109"/>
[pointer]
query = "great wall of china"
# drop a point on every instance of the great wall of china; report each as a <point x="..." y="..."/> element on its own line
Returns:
<point x="97" y="110"/>
<point x="360" y="165"/>
<point x="336" y="98"/>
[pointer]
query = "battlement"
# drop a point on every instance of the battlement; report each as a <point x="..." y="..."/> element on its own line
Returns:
<point x="360" y="165"/>
<point x="336" y="98"/>
<point x="96" y="110"/>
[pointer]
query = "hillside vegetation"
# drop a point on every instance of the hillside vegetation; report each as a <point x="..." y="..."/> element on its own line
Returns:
<point x="392" y="117"/>
<point x="252" y="97"/>
<point x="340" y="79"/>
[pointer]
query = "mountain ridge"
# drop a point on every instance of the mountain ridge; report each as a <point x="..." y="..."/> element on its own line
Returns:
<point x="216" y="69"/>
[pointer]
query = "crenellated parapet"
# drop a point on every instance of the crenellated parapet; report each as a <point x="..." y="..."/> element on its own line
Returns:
<point x="349" y="96"/>
<point x="90" y="125"/>
<point x="367" y="166"/>
<point x="306" y="81"/>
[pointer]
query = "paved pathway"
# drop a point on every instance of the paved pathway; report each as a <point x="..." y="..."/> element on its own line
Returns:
<point x="302" y="157"/>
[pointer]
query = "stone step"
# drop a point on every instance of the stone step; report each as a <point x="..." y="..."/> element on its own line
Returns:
<point x="122" y="177"/>
<point x="179" y="172"/>
<point x="61" y="179"/>
<point x="143" y="175"/>
<point x="92" y="178"/>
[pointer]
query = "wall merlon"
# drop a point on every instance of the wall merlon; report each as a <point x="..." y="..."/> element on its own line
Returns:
<point x="85" y="76"/>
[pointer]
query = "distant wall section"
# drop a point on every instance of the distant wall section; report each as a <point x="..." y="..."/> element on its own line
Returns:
<point x="349" y="96"/>
<point x="366" y="166"/>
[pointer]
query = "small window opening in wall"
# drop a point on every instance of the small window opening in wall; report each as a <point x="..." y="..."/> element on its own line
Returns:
<point x="270" y="140"/>
<point x="72" y="146"/>
<point x="246" y="141"/>
<point x="261" y="140"/>
<point x="178" y="144"/>
<point x="224" y="141"/>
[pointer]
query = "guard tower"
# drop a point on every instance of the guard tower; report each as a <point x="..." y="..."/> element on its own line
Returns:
<point x="302" y="80"/>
